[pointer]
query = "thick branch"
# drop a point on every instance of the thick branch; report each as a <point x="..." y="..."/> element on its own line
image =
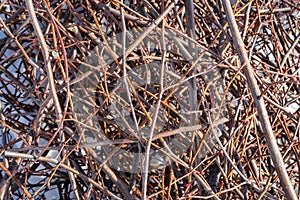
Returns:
<point x="259" y="102"/>
<point x="45" y="51"/>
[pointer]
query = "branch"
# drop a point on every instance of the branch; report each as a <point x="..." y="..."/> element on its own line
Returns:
<point x="261" y="108"/>
<point x="66" y="167"/>
<point x="45" y="51"/>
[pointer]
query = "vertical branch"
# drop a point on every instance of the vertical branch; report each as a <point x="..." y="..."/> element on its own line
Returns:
<point x="259" y="102"/>
<point x="136" y="156"/>
<point x="190" y="20"/>
<point x="148" y="147"/>
<point x="189" y="10"/>
<point x="5" y="186"/>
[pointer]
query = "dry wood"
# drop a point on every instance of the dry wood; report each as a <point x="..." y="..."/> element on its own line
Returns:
<point x="184" y="123"/>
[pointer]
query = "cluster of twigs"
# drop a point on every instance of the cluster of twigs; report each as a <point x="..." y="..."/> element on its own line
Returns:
<point x="74" y="95"/>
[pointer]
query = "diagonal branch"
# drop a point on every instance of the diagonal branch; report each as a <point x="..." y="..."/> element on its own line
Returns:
<point x="259" y="102"/>
<point x="45" y="51"/>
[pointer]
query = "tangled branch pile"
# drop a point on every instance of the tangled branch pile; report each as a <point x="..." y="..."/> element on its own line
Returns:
<point x="177" y="120"/>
